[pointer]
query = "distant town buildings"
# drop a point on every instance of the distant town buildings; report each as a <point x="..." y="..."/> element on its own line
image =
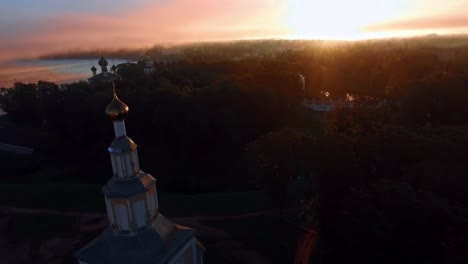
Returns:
<point x="171" y="51"/>
<point x="171" y="55"/>
<point x="325" y="103"/>
<point x="326" y="106"/>
<point x="137" y="232"/>
<point x="445" y="55"/>
<point x="149" y="65"/>
<point x="105" y="75"/>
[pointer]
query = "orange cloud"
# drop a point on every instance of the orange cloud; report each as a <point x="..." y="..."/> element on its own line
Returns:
<point x="170" y="21"/>
<point x="422" y="23"/>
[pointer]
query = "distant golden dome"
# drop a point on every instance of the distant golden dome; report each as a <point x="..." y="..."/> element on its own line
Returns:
<point x="116" y="110"/>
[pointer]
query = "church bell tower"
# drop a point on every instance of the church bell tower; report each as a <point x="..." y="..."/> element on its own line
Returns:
<point x="137" y="231"/>
<point x="130" y="194"/>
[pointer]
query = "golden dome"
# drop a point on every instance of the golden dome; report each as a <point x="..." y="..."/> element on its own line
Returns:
<point x="116" y="110"/>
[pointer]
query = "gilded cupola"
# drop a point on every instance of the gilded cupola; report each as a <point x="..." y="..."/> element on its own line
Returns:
<point x="116" y="110"/>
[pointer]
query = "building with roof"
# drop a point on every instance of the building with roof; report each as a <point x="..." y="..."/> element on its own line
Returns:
<point x="169" y="55"/>
<point x="325" y="103"/>
<point x="104" y="76"/>
<point x="137" y="231"/>
<point x="149" y="65"/>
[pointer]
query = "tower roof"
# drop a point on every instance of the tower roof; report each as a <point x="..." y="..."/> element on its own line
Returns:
<point x="149" y="246"/>
<point x="122" y="144"/>
<point x="103" y="62"/>
<point x="93" y="69"/>
<point x="116" y="110"/>
<point x="129" y="188"/>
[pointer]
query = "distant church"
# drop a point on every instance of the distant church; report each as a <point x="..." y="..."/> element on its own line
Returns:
<point x="137" y="232"/>
<point x="104" y="76"/>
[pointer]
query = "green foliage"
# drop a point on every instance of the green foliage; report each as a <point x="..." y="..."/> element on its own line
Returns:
<point x="271" y="236"/>
<point x="21" y="103"/>
<point x="280" y="156"/>
<point x="364" y="118"/>
<point x="62" y="196"/>
<point x="391" y="222"/>
<point x="19" y="228"/>
<point x="385" y="180"/>
<point x="197" y="123"/>
<point x="439" y="99"/>
<point x="390" y="193"/>
<point x="131" y="71"/>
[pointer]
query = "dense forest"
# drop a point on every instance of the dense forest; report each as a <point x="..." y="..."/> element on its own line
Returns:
<point x="385" y="181"/>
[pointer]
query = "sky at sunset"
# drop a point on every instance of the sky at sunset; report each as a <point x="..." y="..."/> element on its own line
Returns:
<point x="32" y="27"/>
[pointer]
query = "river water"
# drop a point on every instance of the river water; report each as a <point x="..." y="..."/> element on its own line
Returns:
<point x="58" y="71"/>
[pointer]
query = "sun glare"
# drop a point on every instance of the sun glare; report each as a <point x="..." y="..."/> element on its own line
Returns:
<point x="340" y="19"/>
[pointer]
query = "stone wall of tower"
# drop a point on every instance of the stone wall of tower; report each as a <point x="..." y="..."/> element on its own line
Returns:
<point x="125" y="165"/>
<point x="127" y="215"/>
<point x="188" y="255"/>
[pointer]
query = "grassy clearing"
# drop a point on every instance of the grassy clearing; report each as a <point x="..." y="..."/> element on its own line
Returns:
<point x="270" y="235"/>
<point x="214" y="203"/>
<point x="5" y="122"/>
<point x="89" y="198"/>
<point x="54" y="195"/>
<point x="26" y="227"/>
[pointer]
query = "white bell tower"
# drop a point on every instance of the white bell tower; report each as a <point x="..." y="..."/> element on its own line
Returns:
<point x="137" y="232"/>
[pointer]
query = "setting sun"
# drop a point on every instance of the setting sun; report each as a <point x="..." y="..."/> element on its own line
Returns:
<point x="336" y="19"/>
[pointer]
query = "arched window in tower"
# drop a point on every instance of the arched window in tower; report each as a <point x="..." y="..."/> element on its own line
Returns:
<point x="139" y="213"/>
<point x="128" y="165"/>
<point x="110" y="213"/>
<point x="120" y="167"/>
<point x="114" y="165"/>
<point x="151" y="196"/>
<point x="121" y="214"/>
<point x="135" y="164"/>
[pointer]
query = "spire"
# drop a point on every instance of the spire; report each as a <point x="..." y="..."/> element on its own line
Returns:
<point x="123" y="149"/>
<point x="114" y="94"/>
<point x="149" y="67"/>
<point x="137" y="232"/>
<point x="103" y="63"/>
<point x="116" y="110"/>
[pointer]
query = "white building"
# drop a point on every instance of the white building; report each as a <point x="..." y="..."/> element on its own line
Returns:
<point x="137" y="232"/>
<point x="326" y="106"/>
<point x="149" y="65"/>
<point x="104" y="76"/>
<point x="171" y="55"/>
<point x="171" y="51"/>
